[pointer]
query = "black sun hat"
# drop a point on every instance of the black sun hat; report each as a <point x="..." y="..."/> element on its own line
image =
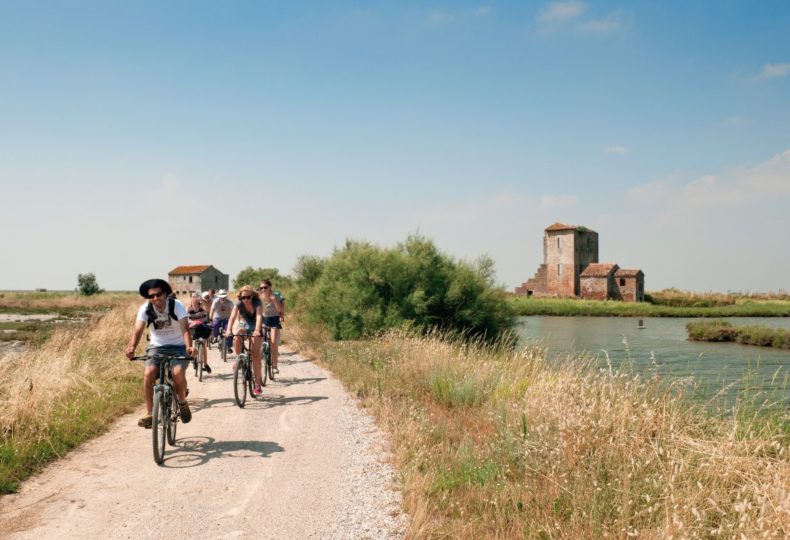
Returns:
<point x="155" y="284"/>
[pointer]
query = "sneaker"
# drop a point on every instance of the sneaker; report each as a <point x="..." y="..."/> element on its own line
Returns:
<point x="145" y="421"/>
<point x="186" y="414"/>
<point x="207" y="368"/>
<point x="256" y="390"/>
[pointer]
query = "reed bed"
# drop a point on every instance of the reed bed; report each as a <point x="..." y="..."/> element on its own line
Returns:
<point x="65" y="391"/>
<point x="762" y="336"/>
<point x="497" y="443"/>
<point x="61" y="302"/>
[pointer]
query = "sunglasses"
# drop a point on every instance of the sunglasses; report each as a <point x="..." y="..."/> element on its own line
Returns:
<point x="263" y="288"/>
<point x="156" y="295"/>
<point x="246" y="297"/>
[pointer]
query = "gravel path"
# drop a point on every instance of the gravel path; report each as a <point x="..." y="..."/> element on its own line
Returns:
<point x="303" y="461"/>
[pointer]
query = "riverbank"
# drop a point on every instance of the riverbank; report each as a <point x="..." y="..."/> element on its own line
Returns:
<point x="526" y="306"/>
<point x="501" y="443"/>
<point x="745" y="335"/>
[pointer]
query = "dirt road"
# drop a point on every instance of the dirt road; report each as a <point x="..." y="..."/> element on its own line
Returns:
<point x="302" y="461"/>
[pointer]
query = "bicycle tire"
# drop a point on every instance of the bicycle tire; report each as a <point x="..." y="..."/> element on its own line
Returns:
<point x="240" y="381"/>
<point x="172" y="426"/>
<point x="223" y="347"/>
<point x="201" y="359"/>
<point x="266" y="354"/>
<point x="159" y="422"/>
<point x="250" y="376"/>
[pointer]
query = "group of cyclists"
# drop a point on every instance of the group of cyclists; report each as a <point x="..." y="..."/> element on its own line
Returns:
<point x="173" y="330"/>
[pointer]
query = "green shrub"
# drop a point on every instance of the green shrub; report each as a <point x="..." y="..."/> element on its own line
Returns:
<point x="362" y="289"/>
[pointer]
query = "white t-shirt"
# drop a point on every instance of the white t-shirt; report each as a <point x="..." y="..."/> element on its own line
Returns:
<point x="164" y="331"/>
<point x="222" y="308"/>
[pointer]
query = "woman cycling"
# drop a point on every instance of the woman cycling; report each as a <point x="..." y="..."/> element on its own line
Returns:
<point x="198" y="323"/>
<point x="271" y="318"/>
<point x="246" y="319"/>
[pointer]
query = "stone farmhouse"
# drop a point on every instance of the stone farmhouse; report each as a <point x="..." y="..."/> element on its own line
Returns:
<point x="189" y="279"/>
<point x="571" y="268"/>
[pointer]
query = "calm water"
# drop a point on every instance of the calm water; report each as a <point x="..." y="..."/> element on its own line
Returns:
<point x="661" y="347"/>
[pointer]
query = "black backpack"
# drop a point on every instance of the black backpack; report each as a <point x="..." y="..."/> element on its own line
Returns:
<point x="171" y="309"/>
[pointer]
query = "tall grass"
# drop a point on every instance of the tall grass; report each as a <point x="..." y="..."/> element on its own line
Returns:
<point x="611" y="308"/>
<point x="63" y="392"/>
<point x="60" y="302"/>
<point x="499" y="443"/>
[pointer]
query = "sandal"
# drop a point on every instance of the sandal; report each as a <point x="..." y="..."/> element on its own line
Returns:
<point x="207" y="368"/>
<point x="186" y="414"/>
<point x="145" y="422"/>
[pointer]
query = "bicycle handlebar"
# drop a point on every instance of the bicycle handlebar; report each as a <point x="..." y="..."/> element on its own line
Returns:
<point x="162" y="357"/>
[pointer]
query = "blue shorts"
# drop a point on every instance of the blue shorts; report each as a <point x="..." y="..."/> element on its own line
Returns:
<point x="272" y="322"/>
<point x="178" y="350"/>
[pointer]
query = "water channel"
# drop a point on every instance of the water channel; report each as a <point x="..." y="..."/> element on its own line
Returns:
<point x="662" y="348"/>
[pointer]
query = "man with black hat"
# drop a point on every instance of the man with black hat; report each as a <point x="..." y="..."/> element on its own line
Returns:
<point x="167" y="319"/>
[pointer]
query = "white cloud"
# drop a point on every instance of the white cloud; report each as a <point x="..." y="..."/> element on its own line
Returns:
<point x="615" y="149"/>
<point x="562" y="11"/>
<point x="762" y="182"/>
<point x="611" y="23"/>
<point x="772" y="71"/>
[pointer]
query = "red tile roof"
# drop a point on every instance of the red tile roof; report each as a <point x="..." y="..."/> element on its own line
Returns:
<point x="599" y="270"/>
<point x="197" y="269"/>
<point x="628" y="272"/>
<point x="560" y="227"/>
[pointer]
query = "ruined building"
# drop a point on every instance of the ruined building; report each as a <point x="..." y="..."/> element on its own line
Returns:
<point x="571" y="268"/>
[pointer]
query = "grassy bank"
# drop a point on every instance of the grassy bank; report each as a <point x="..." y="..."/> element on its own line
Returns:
<point x="577" y="307"/>
<point x="497" y="443"/>
<point x="64" y="391"/>
<point x="63" y="303"/>
<point x="747" y="335"/>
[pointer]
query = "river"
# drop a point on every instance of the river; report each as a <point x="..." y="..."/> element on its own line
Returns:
<point x="662" y="348"/>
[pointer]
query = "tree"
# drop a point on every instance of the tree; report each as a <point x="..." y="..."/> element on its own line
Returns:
<point x="87" y="285"/>
<point x="253" y="276"/>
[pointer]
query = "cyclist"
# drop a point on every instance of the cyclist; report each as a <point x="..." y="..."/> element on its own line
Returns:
<point x="219" y="315"/>
<point x="198" y="323"/>
<point x="167" y="320"/>
<point x="247" y="318"/>
<point x="272" y="309"/>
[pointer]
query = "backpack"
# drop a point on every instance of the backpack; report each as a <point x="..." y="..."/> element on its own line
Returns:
<point x="171" y="309"/>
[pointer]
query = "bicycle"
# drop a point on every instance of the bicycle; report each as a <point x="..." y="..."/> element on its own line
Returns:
<point x="268" y="369"/>
<point x="243" y="377"/>
<point x="165" y="414"/>
<point x="199" y="360"/>
<point x="223" y="345"/>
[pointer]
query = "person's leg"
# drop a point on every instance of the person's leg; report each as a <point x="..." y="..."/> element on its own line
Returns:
<point x="255" y="349"/>
<point x="180" y="381"/>
<point x="149" y="376"/>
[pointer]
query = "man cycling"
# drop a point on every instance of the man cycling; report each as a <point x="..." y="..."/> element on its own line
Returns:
<point x="167" y="321"/>
<point x="219" y="315"/>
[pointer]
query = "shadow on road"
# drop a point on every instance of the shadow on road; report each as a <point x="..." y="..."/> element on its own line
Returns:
<point x="195" y="451"/>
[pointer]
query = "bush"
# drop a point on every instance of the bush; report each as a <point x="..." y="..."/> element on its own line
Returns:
<point x="362" y="289"/>
<point x="87" y="285"/>
<point x="253" y="276"/>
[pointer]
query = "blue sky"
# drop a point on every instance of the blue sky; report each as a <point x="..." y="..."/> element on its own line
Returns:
<point x="137" y="136"/>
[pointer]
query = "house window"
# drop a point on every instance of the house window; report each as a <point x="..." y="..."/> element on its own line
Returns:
<point x="622" y="282"/>
<point x="190" y="279"/>
<point x="559" y="269"/>
<point x="559" y="242"/>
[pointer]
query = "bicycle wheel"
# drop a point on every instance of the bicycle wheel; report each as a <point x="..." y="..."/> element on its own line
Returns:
<point x="159" y="426"/>
<point x="172" y="425"/>
<point x="223" y="347"/>
<point x="201" y="359"/>
<point x="240" y="381"/>
<point x="267" y="363"/>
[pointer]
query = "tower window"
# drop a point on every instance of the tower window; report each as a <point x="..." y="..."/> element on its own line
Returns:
<point x="559" y="242"/>
<point x="622" y="282"/>
<point x="559" y="269"/>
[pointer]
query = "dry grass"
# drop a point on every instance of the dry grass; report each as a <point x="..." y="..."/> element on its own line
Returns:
<point x="68" y="389"/>
<point x="60" y="302"/>
<point x="501" y="444"/>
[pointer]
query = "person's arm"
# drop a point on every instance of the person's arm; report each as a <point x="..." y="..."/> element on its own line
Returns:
<point x="258" y="321"/>
<point x="184" y="325"/>
<point x="211" y="311"/>
<point x="139" y="326"/>
<point x="233" y="316"/>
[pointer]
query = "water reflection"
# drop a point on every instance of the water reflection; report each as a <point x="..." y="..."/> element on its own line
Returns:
<point x="662" y="348"/>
